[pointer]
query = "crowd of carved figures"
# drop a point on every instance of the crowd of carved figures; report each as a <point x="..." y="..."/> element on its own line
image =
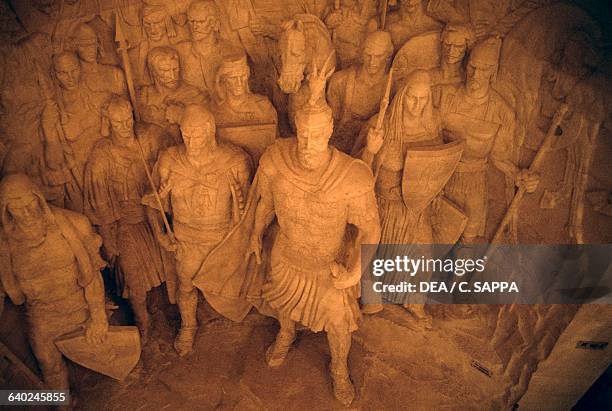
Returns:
<point x="247" y="148"/>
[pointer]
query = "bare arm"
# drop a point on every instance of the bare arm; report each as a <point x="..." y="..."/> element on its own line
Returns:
<point x="95" y="332"/>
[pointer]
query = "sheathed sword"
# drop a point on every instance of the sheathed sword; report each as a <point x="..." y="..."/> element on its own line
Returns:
<point x="127" y="68"/>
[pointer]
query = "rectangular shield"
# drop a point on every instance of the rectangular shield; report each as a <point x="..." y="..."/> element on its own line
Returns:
<point x="116" y="357"/>
<point x="254" y="139"/>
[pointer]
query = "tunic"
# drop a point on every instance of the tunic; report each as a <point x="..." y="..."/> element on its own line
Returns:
<point x="115" y="182"/>
<point x="313" y="217"/>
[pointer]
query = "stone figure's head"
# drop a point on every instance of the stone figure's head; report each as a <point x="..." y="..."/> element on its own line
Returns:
<point x="120" y="117"/>
<point x="455" y="42"/>
<point x="482" y="66"/>
<point x="156" y="22"/>
<point x="416" y="94"/>
<point x="413" y="105"/>
<point x="23" y="206"/>
<point x="233" y="76"/>
<point x="315" y="125"/>
<point x="86" y="43"/>
<point x="198" y="130"/>
<point x="67" y="70"/>
<point x="204" y="20"/>
<point x="164" y="66"/>
<point x="377" y="51"/>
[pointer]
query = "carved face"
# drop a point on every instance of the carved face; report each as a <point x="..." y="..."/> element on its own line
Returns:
<point x="198" y="139"/>
<point x="202" y="24"/>
<point x="166" y="72"/>
<point x="453" y="48"/>
<point x="68" y="73"/>
<point x="478" y="76"/>
<point x="313" y="144"/>
<point x="155" y="26"/>
<point x="374" y="59"/>
<point x="88" y="50"/>
<point x="417" y="97"/>
<point x="293" y="59"/>
<point x="236" y="84"/>
<point x="122" y="124"/>
<point x="28" y="215"/>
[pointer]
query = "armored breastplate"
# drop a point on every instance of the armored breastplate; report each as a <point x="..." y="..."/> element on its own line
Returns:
<point x="312" y="223"/>
<point x="205" y="203"/>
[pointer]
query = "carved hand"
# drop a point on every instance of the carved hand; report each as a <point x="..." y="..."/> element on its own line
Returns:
<point x="255" y="246"/>
<point x="343" y="278"/>
<point x="167" y="242"/>
<point x="95" y="333"/>
<point x="529" y="181"/>
<point x="174" y="113"/>
<point x="374" y="140"/>
<point x="109" y="238"/>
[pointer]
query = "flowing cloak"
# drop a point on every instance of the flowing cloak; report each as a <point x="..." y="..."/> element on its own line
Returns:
<point x="84" y="243"/>
<point x="236" y="283"/>
<point x="114" y="183"/>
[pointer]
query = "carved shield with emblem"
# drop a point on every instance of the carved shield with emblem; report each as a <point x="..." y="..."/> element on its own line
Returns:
<point x="426" y="172"/>
<point x="116" y="357"/>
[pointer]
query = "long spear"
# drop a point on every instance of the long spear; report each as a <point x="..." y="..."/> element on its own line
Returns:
<point x="383" y="14"/>
<point x="127" y="67"/>
<point x="534" y="166"/>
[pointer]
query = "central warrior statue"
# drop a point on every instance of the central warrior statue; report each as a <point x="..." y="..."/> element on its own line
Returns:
<point x="315" y="192"/>
<point x="203" y="183"/>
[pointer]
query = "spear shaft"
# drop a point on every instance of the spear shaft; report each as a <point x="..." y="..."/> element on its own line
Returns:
<point x="127" y="67"/>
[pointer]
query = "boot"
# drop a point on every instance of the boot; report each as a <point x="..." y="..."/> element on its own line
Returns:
<point x="143" y="322"/>
<point x="183" y="343"/>
<point x="188" y="303"/>
<point x="370" y="309"/>
<point x="277" y="351"/>
<point x="344" y="391"/>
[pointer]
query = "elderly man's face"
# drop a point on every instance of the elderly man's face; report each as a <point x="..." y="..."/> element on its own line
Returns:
<point x="202" y="24"/>
<point x="313" y="143"/>
<point x="167" y="72"/>
<point x="155" y="27"/>
<point x="198" y="138"/>
<point x="417" y="97"/>
<point x="68" y="73"/>
<point x="26" y="212"/>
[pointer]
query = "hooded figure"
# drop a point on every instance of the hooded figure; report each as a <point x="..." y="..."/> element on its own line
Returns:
<point x="49" y="260"/>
